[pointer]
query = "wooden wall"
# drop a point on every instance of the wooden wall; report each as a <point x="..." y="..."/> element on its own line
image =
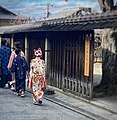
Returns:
<point x="36" y="40"/>
<point x="68" y="62"/>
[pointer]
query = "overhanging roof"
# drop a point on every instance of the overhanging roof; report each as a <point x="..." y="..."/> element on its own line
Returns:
<point x="4" y="10"/>
<point x="90" y="22"/>
<point x="6" y="14"/>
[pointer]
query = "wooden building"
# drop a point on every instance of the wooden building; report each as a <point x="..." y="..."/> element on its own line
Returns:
<point x="67" y="45"/>
<point x="6" y="16"/>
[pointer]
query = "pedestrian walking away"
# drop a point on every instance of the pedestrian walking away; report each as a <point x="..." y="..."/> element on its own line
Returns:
<point x="37" y="77"/>
<point x="17" y="45"/>
<point x="5" y="74"/>
<point x="20" y="68"/>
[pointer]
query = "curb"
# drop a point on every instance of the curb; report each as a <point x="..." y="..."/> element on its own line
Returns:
<point x="98" y="104"/>
<point x="78" y="110"/>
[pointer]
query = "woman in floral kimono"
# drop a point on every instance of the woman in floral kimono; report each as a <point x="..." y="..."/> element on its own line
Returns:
<point x="37" y="76"/>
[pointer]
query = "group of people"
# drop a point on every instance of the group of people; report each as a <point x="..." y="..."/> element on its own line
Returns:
<point x="14" y="70"/>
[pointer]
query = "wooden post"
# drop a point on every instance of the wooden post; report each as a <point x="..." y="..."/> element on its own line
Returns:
<point x="26" y="47"/>
<point x="0" y="41"/>
<point x="91" y="65"/>
<point x="12" y="39"/>
<point x="47" y="58"/>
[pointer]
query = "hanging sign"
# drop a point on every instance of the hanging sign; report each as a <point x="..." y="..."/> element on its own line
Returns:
<point x="87" y="56"/>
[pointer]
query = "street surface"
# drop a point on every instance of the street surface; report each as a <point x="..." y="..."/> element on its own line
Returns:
<point x="13" y="107"/>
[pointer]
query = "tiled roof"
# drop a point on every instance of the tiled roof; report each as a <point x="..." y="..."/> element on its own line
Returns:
<point x="71" y="12"/>
<point x="68" y="24"/>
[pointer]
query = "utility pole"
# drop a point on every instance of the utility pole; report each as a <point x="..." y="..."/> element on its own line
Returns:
<point x="48" y="7"/>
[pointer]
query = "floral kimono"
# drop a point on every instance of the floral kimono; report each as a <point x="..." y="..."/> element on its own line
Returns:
<point x="37" y="77"/>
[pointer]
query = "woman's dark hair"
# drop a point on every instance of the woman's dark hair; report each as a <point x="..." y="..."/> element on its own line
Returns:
<point x="17" y="51"/>
<point x="18" y="45"/>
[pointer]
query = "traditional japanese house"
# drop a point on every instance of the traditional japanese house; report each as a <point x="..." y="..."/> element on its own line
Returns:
<point x="67" y="45"/>
<point x="6" y="16"/>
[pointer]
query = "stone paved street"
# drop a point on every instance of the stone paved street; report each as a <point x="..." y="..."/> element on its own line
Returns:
<point x="14" y="107"/>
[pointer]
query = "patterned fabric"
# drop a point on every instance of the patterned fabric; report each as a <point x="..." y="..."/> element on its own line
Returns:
<point x="37" y="87"/>
<point x="37" y="77"/>
<point x="5" y="53"/>
<point x="0" y="67"/>
<point x="13" y="55"/>
<point x="20" y="67"/>
<point x="5" y="74"/>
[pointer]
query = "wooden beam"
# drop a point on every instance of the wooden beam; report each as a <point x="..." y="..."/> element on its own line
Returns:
<point x="12" y="39"/>
<point x="26" y="46"/>
<point x="0" y="41"/>
<point x="47" y="58"/>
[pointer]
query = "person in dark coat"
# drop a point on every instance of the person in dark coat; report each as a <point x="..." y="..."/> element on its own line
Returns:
<point x="5" y="53"/>
<point x="17" y="45"/>
<point x="20" y="68"/>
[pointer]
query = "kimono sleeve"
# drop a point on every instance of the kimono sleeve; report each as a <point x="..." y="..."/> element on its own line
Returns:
<point x="25" y="65"/>
<point x="11" y="59"/>
<point x="31" y="73"/>
<point x="13" y="66"/>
